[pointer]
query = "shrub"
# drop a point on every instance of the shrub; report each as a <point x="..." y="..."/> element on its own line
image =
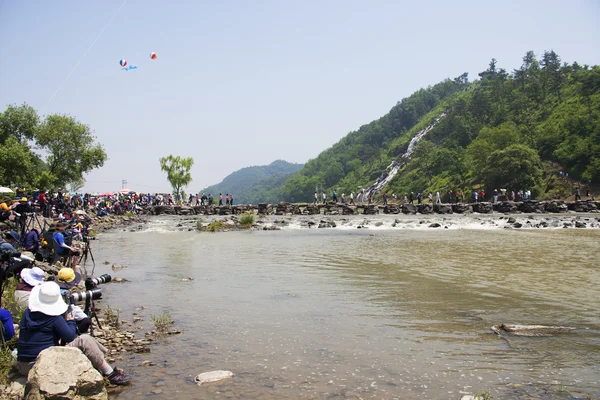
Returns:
<point x="112" y="316"/>
<point x="215" y="226"/>
<point x="247" y="219"/>
<point x="162" y="322"/>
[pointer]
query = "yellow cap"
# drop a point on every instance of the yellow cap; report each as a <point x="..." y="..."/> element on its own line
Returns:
<point x="66" y="275"/>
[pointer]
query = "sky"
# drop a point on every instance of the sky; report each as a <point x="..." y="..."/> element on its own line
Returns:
<point x="242" y="83"/>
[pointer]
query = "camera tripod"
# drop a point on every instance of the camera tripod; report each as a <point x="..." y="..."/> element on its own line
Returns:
<point x="32" y="219"/>
<point x="87" y="251"/>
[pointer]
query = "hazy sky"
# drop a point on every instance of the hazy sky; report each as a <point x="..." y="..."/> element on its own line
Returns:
<point x="240" y="83"/>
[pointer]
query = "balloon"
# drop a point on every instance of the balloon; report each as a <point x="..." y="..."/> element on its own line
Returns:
<point x="153" y="56"/>
<point x="123" y="62"/>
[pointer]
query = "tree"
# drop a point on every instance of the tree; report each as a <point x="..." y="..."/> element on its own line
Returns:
<point x="20" y="122"/>
<point x="516" y="167"/>
<point x="178" y="171"/>
<point x="17" y="163"/>
<point x="71" y="147"/>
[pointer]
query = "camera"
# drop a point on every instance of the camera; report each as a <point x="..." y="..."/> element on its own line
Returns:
<point x="8" y="255"/>
<point x="93" y="294"/>
<point x="91" y="283"/>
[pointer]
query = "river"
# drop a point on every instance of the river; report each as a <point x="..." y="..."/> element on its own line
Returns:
<point x="360" y="313"/>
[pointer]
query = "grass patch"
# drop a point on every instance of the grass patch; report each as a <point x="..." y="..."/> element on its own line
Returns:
<point x="162" y="322"/>
<point x="199" y="224"/>
<point x="247" y="219"/>
<point x="9" y="302"/>
<point x="7" y="361"/>
<point x="129" y="214"/>
<point x="215" y="226"/>
<point x="484" y="396"/>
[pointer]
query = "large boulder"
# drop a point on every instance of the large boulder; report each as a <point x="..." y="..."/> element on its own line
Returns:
<point x="64" y="373"/>
<point x="506" y="206"/>
<point x="424" y="208"/>
<point x="442" y="208"/>
<point x="409" y="209"/>
<point x="482" y="208"/>
<point x="461" y="208"/>
<point x="392" y="209"/>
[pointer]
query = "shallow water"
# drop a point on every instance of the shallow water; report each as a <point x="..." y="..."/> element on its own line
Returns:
<point x="330" y="313"/>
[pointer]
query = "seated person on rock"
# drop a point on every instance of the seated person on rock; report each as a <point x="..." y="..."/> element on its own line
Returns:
<point x="30" y="278"/>
<point x="46" y="322"/>
<point x="60" y="247"/>
<point x="32" y="240"/>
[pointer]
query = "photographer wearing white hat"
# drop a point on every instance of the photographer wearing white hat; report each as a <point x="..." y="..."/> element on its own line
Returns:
<point x="46" y="322"/>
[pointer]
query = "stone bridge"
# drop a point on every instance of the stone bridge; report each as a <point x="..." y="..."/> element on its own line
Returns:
<point x="283" y="208"/>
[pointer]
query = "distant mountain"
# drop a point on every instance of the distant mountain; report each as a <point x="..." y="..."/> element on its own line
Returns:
<point x="255" y="184"/>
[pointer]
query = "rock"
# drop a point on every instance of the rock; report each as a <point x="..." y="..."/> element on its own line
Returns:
<point x="409" y="209"/>
<point x="511" y="220"/>
<point x="506" y="206"/>
<point x="435" y="225"/>
<point x="424" y="208"/>
<point x="517" y="225"/>
<point x="461" y="208"/>
<point x="117" y="267"/>
<point x="147" y="363"/>
<point x="64" y="373"/>
<point x="482" y="208"/>
<point x="213" y="376"/>
<point x="442" y="208"/>
<point x="579" y="224"/>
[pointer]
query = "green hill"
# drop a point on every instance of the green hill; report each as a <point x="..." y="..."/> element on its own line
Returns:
<point x="505" y="130"/>
<point x="255" y="184"/>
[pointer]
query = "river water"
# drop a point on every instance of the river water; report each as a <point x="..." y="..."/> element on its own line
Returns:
<point x="384" y="314"/>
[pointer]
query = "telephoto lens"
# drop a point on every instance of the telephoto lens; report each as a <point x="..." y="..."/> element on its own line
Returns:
<point x="93" y="294"/>
<point x="93" y="282"/>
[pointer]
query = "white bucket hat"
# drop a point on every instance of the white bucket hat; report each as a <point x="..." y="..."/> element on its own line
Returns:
<point x="46" y="299"/>
<point x="33" y="276"/>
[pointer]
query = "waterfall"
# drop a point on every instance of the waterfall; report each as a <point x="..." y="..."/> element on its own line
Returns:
<point x="401" y="161"/>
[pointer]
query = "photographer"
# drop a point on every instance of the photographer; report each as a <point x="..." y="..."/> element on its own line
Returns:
<point x="32" y="240"/>
<point x="30" y="278"/>
<point x="11" y="239"/>
<point x="61" y="249"/>
<point x="46" y="322"/>
<point x="22" y="209"/>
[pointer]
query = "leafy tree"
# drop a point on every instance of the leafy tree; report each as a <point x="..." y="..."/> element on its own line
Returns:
<point x="178" y="171"/>
<point x="71" y="147"/>
<point x="17" y="163"/>
<point x="20" y="122"/>
<point x="516" y="167"/>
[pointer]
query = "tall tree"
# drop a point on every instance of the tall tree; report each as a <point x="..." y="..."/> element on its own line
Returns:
<point x="20" y="122"/>
<point x="71" y="147"/>
<point x="178" y="171"/>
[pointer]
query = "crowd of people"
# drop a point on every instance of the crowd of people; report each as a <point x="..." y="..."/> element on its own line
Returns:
<point x="477" y="195"/>
<point x="45" y="229"/>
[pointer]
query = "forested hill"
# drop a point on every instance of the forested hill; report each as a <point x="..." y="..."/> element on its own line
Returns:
<point x="512" y="130"/>
<point x="255" y="184"/>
